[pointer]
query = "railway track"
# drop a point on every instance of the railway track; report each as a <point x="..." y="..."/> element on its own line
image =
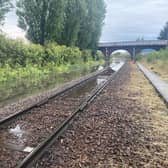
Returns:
<point x="67" y="87"/>
<point x="25" y="135"/>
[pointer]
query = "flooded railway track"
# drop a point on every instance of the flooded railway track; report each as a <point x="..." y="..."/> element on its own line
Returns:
<point x="23" y="137"/>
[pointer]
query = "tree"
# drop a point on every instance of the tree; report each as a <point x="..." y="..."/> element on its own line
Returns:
<point x="41" y="19"/>
<point x="91" y="25"/>
<point x="5" y="6"/>
<point x="83" y="23"/>
<point x="70" y="22"/>
<point x="164" y="33"/>
<point x="74" y="12"/>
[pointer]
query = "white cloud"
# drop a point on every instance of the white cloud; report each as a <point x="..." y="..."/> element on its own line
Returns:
<point x="10" y="27"/>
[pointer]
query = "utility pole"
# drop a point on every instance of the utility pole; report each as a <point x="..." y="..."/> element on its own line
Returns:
<point x="107" y="57"/>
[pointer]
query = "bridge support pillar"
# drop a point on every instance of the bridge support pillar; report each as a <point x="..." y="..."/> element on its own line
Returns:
<point x="134" y="53"/>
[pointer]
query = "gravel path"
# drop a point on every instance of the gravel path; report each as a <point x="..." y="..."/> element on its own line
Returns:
<point x="126" y="126"/>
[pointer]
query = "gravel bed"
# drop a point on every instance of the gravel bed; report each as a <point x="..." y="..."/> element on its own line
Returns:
<point x="114" y="131"/>
<point x="40" y="122"/>
<point x="28" y="102"/>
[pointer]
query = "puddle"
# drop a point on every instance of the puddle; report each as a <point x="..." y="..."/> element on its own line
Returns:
<point x="100" y="68"/>
<point x="102" y="79"/>
<point x="87" y="88"/>
<point x="116" y="65"/>
<point x="15" y="139"/>
<point x="17" y="131"/>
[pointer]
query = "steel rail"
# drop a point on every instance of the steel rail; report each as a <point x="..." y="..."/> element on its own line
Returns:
<point x="42" y="147"/>
<point x="58" y="93"/>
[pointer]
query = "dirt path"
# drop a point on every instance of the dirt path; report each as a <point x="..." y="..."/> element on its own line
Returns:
<point x="125" y="127"/>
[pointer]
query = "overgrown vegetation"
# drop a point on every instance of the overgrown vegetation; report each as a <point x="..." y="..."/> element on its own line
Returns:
<point x="158" y="62"/>
<point x="159" y="58"/>
<point x="30" y="65"/>
<point x="64" y="36"/>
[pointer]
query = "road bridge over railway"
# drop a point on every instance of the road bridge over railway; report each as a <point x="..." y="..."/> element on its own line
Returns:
<point x="133" y="47"/>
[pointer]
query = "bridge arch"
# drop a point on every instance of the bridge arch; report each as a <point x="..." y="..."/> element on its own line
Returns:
<point x="120" y="51"/>
<point x="119" y="55"/>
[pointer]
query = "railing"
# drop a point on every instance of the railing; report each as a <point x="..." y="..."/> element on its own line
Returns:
<point x="134" y="43"/>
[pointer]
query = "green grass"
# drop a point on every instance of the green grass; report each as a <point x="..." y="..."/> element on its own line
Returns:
<point x="157" y="62"/>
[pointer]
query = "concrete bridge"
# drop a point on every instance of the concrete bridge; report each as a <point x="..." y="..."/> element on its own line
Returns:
<point x="133" y="47"/>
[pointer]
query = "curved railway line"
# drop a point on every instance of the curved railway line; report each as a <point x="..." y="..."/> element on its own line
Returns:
<point x="27" y="134"/>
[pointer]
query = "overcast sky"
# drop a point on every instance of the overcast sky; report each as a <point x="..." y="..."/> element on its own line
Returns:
<point x="125" y="20"/>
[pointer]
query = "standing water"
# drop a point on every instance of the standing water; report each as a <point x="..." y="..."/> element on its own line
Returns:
<point x="13" y="92"/>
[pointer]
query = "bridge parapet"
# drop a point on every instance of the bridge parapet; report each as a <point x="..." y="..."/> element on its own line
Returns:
<point x="134" y="43"/>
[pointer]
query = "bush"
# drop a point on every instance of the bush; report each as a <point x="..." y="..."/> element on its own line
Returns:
<point x="157" y="59"/>
<point x="27" y="66"/>
<point x="18" y="54"/>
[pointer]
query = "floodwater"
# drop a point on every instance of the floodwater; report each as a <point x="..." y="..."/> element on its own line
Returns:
<point x="11" y="95"/>
<point x="16" y="137"/>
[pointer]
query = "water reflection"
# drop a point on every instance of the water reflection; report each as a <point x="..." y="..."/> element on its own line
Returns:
<point x="12" y="94"/>
<point x="17" y="131"/>
<point x="116" y="65"/>
<point x="14" y="138"/>
<point x="101" y="79"/>
<point x="100" y="68"/>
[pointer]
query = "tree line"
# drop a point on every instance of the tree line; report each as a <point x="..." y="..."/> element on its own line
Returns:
<point x="164" y="33"/>
<point x="66" y="22"/>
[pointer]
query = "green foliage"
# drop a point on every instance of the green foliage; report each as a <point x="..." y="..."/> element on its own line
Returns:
<point x="155" y="56"/>
<point x="24" y="66"/>
<point x="17" y="54"/>
<point x="99" y="55"/>
<point x="41" y="19"/>
<point x="5" y="6"/>
<point x="164" y="33"/>
<point x="91" y="24"/>
<point x="160" y="59"/>
<point x="71" y="22"/>
<point x="75" y="11"/>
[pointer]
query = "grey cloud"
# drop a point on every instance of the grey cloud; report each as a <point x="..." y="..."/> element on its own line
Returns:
<point x="129" y="19"/>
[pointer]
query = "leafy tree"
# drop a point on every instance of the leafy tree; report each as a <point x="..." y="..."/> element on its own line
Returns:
<point x="83" y="23"/>
<point x="69" y="22"/>
<point x="74" y="12"/>
<point x="91" y="25"/>
<point x="5" y="6"/>
<point x="41" y="19"/>
<point x="164" y="33"/>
